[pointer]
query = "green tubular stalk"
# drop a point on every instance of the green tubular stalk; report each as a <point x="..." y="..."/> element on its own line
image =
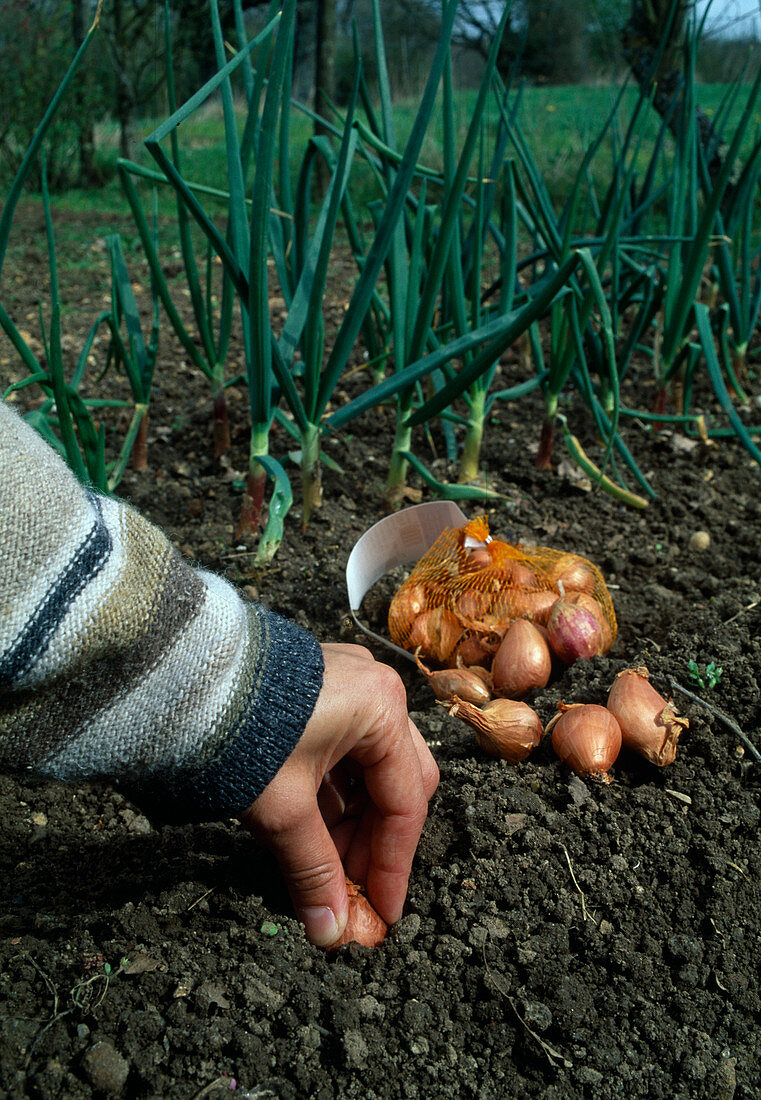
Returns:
<point x="311" y="472"/>
<point x="116" y="471"/>
<point x="471" y="448"/>
<point x="618" y="492"/>
<point x="32" y="152"/>
<point x="397" y="472"/>
<point x="477" y="396"/>
<point x="397" y="277"/>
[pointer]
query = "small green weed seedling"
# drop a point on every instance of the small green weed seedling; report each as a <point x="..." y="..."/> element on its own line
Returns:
<point x="709" y="679"/>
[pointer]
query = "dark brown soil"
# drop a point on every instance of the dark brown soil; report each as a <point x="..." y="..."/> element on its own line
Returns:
<point x="562" y="938"/>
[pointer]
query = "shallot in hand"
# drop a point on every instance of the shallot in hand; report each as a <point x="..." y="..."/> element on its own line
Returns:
<point x="364" y="925"/>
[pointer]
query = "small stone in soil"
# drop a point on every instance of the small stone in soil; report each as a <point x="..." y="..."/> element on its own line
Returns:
<point x="106" y="1070"/>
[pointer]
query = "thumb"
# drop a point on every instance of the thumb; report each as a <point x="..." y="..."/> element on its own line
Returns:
<point x="312" y="870"/>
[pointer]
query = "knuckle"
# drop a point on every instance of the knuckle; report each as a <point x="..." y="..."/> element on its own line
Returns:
<point x="390" y="689"/>
<point x="313" y="879"/>
<point x="431" y="775"/>
<point x="421" y="811"/>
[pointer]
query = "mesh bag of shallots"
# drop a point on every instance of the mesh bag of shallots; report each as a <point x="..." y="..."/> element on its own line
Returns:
<point x="463" y="594"/>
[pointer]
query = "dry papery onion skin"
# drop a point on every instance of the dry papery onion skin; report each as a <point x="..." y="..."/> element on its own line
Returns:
<point x="448" y="682"/>
<point x="586" y="737"/>
<point x="435" y="632"/>
<point x="364" y="926"/>
<point x="505" y="728"/>
<point x="649" y="723"/>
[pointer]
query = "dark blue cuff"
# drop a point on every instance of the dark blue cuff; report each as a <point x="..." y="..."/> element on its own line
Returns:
<point x="287" y="682"/>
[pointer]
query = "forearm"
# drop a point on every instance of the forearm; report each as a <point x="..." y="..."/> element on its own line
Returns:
<point x="118" y="660"/>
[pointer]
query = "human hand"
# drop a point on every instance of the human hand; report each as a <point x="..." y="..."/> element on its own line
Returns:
<point x="355" y="789"/>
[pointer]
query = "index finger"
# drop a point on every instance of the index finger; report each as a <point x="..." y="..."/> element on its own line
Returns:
<point x="394" y="781"/>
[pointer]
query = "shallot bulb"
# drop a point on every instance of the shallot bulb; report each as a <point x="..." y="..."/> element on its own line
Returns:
<point x="518" y="575"/>
<point x="408" y="602"/>
<point x="587" y="737"/>
<point x="523" y="662"/>
<point x="472" y="604"/>
<point x="648" y="722"/>
<point x="476" y="559"/>
<point x="504" y="728"/>
<point x="570" y="573"/>
<point x="575" y="631"/>
<point x="435" y="632"/>
<point x="364" y="925"/>
<point x="473" y="649"/>
<point x="478" y="670"/>
<point x="583" y="599"/>
<point x="449" y="682"/>
<point x="535" y="604"/>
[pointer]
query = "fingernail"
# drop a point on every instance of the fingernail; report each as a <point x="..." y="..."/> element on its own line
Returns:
<point x="320" y="923"/>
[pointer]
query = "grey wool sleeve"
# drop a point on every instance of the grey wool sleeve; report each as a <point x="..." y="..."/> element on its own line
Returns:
<point x="120" y="661"/>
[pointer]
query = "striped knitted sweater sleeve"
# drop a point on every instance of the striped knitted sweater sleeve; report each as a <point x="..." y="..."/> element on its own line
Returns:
<point x="120" y="661"/>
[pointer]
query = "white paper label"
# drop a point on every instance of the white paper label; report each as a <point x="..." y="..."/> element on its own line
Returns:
<point x="396" y="540"/>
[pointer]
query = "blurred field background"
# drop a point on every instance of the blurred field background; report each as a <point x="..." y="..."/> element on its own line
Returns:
<point x="577" y="182"/>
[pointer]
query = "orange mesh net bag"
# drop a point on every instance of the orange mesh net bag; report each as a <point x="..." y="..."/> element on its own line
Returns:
<point x="468" y="587"/>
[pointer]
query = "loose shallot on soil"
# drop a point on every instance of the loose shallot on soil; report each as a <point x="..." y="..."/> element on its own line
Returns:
<point x="586" y="737"/>
<point x="648" y="722"/>
<point x="364" y="925"/>
<point x="504" y="728"/>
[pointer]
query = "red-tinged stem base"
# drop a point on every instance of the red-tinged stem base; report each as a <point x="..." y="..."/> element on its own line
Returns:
<point x="546" y="441"/>
<point x="253" y="504"/>
<point x="660" y="404"/>
<point x="221" y="424"/>
<point x="140" y="447"/>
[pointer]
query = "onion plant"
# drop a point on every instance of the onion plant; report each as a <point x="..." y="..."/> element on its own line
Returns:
<point x="686" y="265"/>
<point x="35" y="145"/>
<point x="243" y="250"/>
<point x="583" y="323"/>
<point x="736" y="254"/>
<point x="427" y="299"/>
<point x="130" y="351"/>
<point x="65" y="418"/>
<point x="274" y="371"/>
<point x="207" y="346"/>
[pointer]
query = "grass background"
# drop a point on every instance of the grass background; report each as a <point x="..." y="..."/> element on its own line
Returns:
<point x="559" y="123"/>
